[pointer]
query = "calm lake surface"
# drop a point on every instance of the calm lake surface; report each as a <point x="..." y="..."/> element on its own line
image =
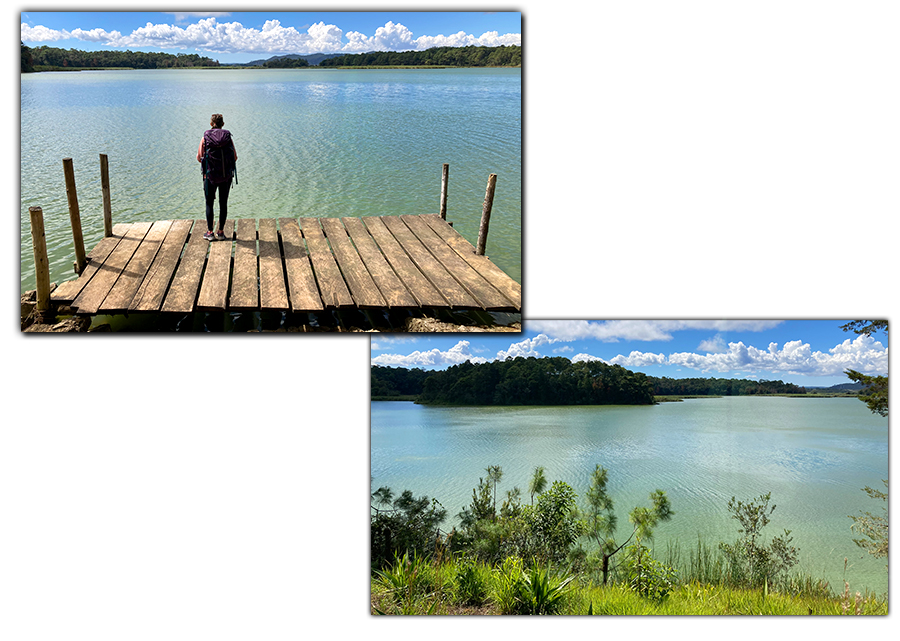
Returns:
<point x="310" y="142"/>
<point x="813" y="455"/>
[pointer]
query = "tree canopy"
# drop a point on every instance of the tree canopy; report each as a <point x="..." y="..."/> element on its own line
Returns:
<point x="554" y="381"/>
<point x="471" y="56"/>
<point x="75" y="59"/>
<point x="536" y="381"/>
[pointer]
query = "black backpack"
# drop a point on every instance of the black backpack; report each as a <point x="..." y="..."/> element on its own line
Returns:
<point x="218" y="158"/>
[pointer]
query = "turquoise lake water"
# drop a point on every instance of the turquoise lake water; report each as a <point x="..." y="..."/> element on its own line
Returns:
<point x="310" y="142"/>
<point x="813" y="455"/>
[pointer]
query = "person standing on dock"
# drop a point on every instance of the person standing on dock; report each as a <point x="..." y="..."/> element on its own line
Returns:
<point x="217" y="157"/>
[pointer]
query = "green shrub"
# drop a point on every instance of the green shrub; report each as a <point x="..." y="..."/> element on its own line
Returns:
<point x="472" y="582"/>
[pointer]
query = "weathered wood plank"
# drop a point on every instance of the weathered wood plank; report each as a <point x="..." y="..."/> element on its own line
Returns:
<point x="183" y="291"/>
<point x="152" y="292"/>
<point x="70" y="289"/>
<point x="214" y="287"/>
<point x="90" y="298"/>
<point x="475" y="284"/>
<point x="482" y="264"/>
<point x="358" y="279"/>
<point x="419" y="286"/>
<point x="387" y="281"/>
<point x="331" y="284"/>
<point x="304" y="295"/>
<point x="128" y="283"/>
<point x="429" y="265"/>
<point x="272" y="291"/>
<point x="244" y="280"/>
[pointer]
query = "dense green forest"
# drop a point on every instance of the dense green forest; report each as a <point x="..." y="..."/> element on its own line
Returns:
<point x="35" y="58"/>
<point x="666" y="386"/>
<point x="471" y="56"/>
<point x="520" y="381"/>
<point x="553" y="381"/>
<point x="285" y="63"/>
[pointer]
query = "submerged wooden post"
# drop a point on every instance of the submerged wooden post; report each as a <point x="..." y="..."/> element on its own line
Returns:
<point x="445" y="177"/>
<point x="41" y="265"/>
<point x="107" y="205"/>
<point x="486" y="214"/>
<point x="74" y="215"/>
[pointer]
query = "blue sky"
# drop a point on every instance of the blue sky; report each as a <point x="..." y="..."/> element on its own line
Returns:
<point x="244" y="36"/>
<point x="805" y="352"/>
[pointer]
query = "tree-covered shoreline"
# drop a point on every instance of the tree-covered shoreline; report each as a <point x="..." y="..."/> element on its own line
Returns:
<point x="555" y="381"/>
<point x="471" y="56"/>
<point x="48" y="58"/>
<point x="44" y="58"/>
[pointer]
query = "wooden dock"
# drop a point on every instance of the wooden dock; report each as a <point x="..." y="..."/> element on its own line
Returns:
<point x="310" y="265"/>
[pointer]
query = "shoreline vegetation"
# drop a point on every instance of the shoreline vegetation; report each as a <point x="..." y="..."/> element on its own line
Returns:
<point x="557" y="381"/>
<point x="545" y="550"/>
<point x="44" y="58"/>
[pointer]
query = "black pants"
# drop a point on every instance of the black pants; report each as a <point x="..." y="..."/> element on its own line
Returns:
<point x="209" y="189"/>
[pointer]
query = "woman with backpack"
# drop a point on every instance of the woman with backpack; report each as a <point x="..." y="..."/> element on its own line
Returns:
<point x="217" y="157"/>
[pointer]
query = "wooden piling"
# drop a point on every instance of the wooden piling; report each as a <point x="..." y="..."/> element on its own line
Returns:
<point x="107" y="204"/>
<point x="74" y="215"/>
<point x="486" y="214"/>
<point x="41" y="264"/>
<point x="445" y="177"/>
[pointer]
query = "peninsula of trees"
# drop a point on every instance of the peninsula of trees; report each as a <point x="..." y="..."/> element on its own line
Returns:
<point x="523" y="381"/>
<point x="553" y="381"/>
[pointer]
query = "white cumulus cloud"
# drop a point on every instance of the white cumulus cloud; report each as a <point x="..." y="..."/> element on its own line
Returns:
<point x="640" y="330"/>
<point x="210" y="35"/>
<point x="526" y="348"/>
<point x="459" y="353"/>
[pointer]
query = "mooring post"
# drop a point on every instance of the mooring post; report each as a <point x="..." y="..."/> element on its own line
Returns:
<point x="107" y="204"/>
<point x="74" y="215"/>
<point x="41" y="265"/>
<point x="445" y="177"/>
<point x="486" y="214"/>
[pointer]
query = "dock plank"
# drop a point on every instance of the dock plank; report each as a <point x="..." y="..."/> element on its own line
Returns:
<point x="389" y="284"/>
<point x="214" y="286"/>
<point x="419" y="286"/>
<point x="303" y="293"/>
<point x="487" y="296"/>
<point x="331" y="284"/>
<point x="183" y="291"/>
<point x="152" y="292"/>
<point x="455" y="294"/>
<point x="244" y="280"/>
<point x="301" y="265"/>
<point x="482" y="264"/>
<point x="358" y="279"/>
<point x="128" y="283"/>
<point x="69" y="290"/>
<point x="272" y="291"/>
<point x="89" y="299"/>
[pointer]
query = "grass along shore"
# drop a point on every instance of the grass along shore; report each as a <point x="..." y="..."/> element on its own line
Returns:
<point x="457" y="586"/>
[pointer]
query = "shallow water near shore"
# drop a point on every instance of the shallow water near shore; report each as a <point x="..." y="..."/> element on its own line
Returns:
<point x="813" y="455"/>
<point x="310" y="142"/>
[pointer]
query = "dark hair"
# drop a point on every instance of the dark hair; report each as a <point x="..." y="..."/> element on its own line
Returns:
<point x="216" y="120"/>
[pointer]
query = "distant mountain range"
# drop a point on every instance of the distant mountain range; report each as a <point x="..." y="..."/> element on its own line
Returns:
<point x="313" y="59"/>
<point x="842" y="387"/>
